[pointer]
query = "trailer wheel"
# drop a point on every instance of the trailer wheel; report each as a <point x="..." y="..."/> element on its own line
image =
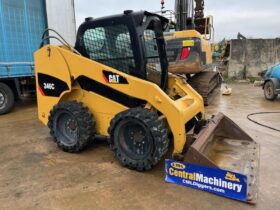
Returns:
<point x="138" y="138"/>
<point x="269" y="91"/>
<point x="72" y="126"/>
<point x="7" y="99"/>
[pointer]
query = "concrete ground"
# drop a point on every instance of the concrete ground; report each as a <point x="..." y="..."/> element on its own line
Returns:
<point x="34" y="174"/>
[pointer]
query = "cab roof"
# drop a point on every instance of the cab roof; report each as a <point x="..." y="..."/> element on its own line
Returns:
<point x="136" y="16"/>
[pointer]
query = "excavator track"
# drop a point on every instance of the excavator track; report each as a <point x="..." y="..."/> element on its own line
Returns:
<point x="207" y="84"/>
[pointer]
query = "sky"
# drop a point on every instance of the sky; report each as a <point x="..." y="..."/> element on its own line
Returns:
<point x="252" y="18"/>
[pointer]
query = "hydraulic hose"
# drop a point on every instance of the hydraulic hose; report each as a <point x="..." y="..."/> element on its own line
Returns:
<point x="263" y="125"/>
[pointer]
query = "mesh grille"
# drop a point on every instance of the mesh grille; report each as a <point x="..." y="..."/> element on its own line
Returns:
<point x="23" y="24"/>
<point x="110" y="46"/>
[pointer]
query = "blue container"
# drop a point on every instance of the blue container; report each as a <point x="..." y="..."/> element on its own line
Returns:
<point x="273" y="72"/>
<point x="22" y="23"/>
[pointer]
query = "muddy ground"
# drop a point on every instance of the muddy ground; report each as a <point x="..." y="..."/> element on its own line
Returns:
<point x="35" y="174"/>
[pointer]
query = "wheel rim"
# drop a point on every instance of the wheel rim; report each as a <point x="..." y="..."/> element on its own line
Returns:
<point x="3" y="99"/>
<point x="134" y="139"/>
<point x="67" y="129"/>
<point x="269" y="90"/>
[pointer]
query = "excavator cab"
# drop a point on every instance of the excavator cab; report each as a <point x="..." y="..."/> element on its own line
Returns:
<point x="115" y="83"/>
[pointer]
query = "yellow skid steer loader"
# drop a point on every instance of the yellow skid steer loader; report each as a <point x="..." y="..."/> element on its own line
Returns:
<point x="115" y="83"/>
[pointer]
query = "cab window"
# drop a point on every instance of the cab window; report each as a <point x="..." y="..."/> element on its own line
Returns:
<point x="153" y="64"/>
<point x="111" y="46"/>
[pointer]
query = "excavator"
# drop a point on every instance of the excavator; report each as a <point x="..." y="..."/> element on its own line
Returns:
<point x="115" y="83"/>
<point x="188" y="47"/>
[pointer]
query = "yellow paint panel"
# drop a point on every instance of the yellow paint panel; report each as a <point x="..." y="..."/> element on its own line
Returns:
<point x="103" y="109"/>
<point x="49" y="60"/>
<point x="188" y="43"/>
<point x="205" y="45"/>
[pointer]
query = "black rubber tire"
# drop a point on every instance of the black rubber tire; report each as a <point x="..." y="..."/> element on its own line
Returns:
<point x="7" y="95"/>
<point x="269" y="91"/>
<point x="84" y="126"/>
<point x="156" y="130"/>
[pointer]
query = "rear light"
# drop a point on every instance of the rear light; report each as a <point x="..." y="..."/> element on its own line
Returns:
<point x="185" y="53"/>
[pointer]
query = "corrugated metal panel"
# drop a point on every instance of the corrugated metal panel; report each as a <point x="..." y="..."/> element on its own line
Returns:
<point x="61" y="17"/>
<point x="21" y="24"/>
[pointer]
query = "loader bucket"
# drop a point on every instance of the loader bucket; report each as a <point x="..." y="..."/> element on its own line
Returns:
<point x="223" y="144"/>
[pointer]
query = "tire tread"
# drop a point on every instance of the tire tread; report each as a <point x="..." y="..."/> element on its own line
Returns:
<point x="85" y="122"/>
<point x="158" y="131"/>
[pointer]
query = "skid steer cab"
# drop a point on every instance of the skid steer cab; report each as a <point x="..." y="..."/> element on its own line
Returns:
<point x="115" y="83"/>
